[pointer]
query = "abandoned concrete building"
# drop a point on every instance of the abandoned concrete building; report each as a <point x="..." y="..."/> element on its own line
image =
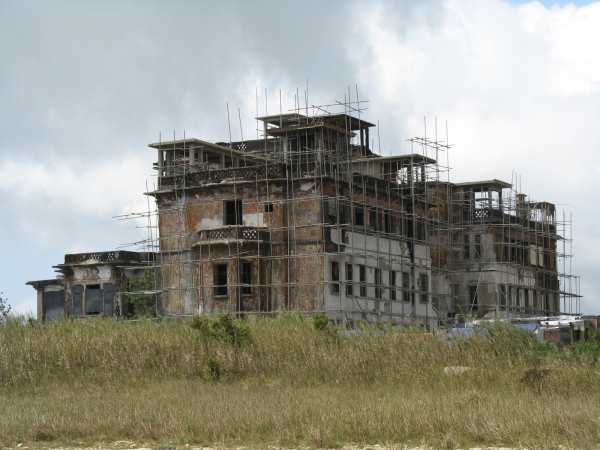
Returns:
<point x="89" y="284"/>
<point x="307" y="217"/>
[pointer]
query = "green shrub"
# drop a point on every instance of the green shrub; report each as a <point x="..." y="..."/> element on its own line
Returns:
<point x="320" y="322"/>
<point x="138" y="302"/>
<point x="225" y="329"/>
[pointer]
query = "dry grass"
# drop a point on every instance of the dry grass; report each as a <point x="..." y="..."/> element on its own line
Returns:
<point x="82" y="383"/>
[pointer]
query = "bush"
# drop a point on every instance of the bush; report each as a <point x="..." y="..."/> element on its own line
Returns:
<point x="137" y="302"/>
<point x="225" y="329"/>
<point x="320" y="322"/>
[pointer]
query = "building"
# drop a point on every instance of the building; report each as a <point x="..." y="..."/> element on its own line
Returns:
<point x="309" y="218"/>
<point x="90" y="284"/>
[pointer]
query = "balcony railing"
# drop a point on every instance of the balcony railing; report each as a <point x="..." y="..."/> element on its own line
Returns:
<point x="109" y="257"/>
<point x="233" y="234"/>
<point x="193" y="178"/>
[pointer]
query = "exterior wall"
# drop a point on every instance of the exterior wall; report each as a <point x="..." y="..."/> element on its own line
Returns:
<point x="504" y="288"/>
<point x="375" y="252"/>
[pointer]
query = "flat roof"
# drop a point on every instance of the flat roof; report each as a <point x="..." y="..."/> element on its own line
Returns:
<point x="485" y="183"/>
<point x="411" y="157"/>
<point x="276" y="119"/>
<point x="50" y="282"/>
<point x="341" y="120"/>
<point x="194" y="142"/>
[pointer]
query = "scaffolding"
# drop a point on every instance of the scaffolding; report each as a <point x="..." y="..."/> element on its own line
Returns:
<point x="308" y="217"/>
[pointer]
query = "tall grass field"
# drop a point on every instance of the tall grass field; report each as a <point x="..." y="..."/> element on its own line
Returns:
<point x="290" y="381"/>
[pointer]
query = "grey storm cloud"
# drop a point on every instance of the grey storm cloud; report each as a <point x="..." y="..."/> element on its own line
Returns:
<point x="84" y="86"/>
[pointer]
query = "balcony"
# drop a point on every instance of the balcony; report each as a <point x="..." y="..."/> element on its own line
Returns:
<point x="233" y="234"/>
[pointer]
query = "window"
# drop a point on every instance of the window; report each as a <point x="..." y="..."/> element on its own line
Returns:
<point x="108" y="295"/>
<point x="362" y="276"/>
<point x="502" y="295"/>
<point x="54" y="305"/>
<point x="388" y="223"/>
<point x="477" y="252"/>
<point x="93" y="299"/>
<point x="349" y="285"/>
<point x="392" y="276"/>
<point x="359" y="215"/>
<point x="77" y="298"/>
<point x="212" y="158"/>
<point x="246" y="277"/>
<point x="220" y="279"/>
<point x="474" y="298"/>
<point x="424" y="287"/>
<point x="406" y="286"/>
<point x="335" y="277"/>
<point x="373" y="219"/>
<point x="268" y="207"/>
<point x="233" y="212"/>
<point x="467" y="247"/>
<point x="377" y="283"/>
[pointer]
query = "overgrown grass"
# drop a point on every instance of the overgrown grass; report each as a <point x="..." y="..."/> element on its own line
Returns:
<point x="285" y="381"/>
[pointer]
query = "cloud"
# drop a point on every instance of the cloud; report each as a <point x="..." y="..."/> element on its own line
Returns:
<point x="519" y="86"/>
<point x="86" y="86"/>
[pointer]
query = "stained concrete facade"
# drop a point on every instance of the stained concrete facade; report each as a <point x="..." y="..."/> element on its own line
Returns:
<point x="89" y="284"/>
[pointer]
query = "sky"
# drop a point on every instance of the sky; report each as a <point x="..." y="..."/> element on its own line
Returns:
<point x="86" y="85"/>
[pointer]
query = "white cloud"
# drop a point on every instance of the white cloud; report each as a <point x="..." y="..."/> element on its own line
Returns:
<point x="100" y="189"/>
<point x="519" y="86"/>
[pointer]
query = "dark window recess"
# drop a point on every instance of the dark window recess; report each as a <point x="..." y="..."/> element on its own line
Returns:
<point x="421" y="231"/>
<point x="77" y="300"/>
<point x="108" y="293"/>
<point x="335" y="277"/>
<point x="349" y="285"/>
<point x="212" y="158"/>
<point x="54" y="305"/>
<point x="362" y="276"/>
<point x="268" y="207"/>
<point x="359" y="215"/>
<point x="406" y="287"/>
<point x="424" y="287"/>
<point x="388" y="222"/>
<point x="220" y="279"/>
<point x="344" y="213"/>
<point x="502" y="294"/>
<point x="246" y="277"/>
<point x="474" y="298"/>
<point x="377" y="283"/>
<point x="373" y="219"/>
<point x="467" y="247"/>
<point x="233" y="212"/>
<point x="392" y="275"/>
<point x="93" y="299"/>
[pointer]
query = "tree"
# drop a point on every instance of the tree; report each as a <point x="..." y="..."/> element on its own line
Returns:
<point x="4" y="308"/>
<point x="138" y="301"/>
